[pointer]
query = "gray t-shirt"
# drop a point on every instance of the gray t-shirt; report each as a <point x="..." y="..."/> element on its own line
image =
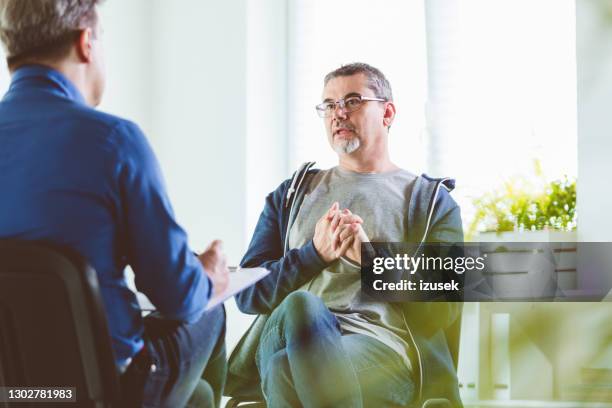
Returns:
<point x="382" y="201"/>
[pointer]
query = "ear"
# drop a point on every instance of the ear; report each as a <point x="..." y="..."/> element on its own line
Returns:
<point x="389" y="114"/>
<point x="84" y="46"/>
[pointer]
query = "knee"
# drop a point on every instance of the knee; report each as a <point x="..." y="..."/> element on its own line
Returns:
<point x="306" y="312"/>
<point x="303" y="304"/>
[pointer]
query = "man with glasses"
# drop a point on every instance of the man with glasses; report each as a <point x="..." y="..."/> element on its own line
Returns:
<point x="318" y="342"/>
<point x="81" y="178"/>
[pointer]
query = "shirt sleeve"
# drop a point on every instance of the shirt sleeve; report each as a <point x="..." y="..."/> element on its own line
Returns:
<point x="156" y="247"/>
<point x="287" y="271"/>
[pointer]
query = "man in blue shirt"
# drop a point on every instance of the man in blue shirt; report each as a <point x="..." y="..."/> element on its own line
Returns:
<point x="74" y="176"/>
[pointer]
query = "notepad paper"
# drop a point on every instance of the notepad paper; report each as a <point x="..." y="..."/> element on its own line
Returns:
<point x="239" y="279"/>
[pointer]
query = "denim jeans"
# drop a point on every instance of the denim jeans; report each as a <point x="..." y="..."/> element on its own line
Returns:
<point x="180" y="365"/>
<point x="304" y="359"/>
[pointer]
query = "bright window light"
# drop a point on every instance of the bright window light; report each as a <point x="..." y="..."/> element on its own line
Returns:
<point x="324" y="34"/>
<point x="509" y="92"/>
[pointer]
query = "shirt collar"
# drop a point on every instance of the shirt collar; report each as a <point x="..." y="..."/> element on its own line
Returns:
<point x="40" y="76"/>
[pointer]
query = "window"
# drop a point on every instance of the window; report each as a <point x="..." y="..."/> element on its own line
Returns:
<point x="324" y="34"/>
<point x="502" y="92"/>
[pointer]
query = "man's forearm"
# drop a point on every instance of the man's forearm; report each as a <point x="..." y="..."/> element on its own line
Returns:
<point x="287" y="274"/>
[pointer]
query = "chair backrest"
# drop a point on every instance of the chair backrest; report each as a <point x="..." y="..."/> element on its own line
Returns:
<point x="53" y="326"/>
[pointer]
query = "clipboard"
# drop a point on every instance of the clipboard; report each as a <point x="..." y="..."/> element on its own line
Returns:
<point x="239" y="279"/>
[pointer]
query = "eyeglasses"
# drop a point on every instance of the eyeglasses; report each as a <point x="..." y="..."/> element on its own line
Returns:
<point x="349" y="104"/>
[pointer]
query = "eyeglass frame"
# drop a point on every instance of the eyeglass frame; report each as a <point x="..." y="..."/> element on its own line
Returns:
<point x="342" y="104"/>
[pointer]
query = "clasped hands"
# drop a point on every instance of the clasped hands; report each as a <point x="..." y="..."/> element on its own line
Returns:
<point x="339" y="233"/>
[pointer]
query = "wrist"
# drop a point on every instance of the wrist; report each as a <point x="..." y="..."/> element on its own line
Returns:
<point x="351" y="262"/>
<point x="320" y="256"/>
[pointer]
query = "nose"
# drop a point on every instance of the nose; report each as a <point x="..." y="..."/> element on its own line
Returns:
<point x="340" y="111"/>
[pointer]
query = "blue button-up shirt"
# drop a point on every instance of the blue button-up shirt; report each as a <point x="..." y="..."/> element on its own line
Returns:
<point x="82" y="178"/>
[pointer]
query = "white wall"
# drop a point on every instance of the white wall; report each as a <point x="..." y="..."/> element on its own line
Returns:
<point x="266" y="99"/>
<point x="594" y="56"/>
<point x="199" y="120"/>
<point x="127" y="45"/>
<point x="594" y="53"/>
<point x="5" y="78"/>
<point x="198" y="86"/>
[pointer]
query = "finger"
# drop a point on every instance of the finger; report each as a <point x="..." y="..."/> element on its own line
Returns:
<point x="332" y="210"/>
<point x="337" y="237"/>
<point x="346" y="232"/>
<point x="335" y="221"/>
<point x="348" y="217"/>
<point x="345" y="246"/>
<point x="334" y="239"/>
<point x="209" y="255"/>
<point x="357" y="218"/>
<point x="343" y="218"/>
<point x="215" y="245"/>
<point x="352" y="217"/>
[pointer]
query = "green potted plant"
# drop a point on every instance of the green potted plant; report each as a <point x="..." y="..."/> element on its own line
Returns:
<point x="516" y="213"/>
<point x="526" y="212"/>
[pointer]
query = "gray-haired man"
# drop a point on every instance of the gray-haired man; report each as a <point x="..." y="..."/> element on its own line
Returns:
<point x="318" y="341"/>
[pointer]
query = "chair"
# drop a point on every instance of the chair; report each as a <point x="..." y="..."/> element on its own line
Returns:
<point x="452" y="333"/>
<point x="54" y="331"/>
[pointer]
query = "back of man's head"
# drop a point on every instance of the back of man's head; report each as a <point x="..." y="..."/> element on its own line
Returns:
<point x="43" y="30"/>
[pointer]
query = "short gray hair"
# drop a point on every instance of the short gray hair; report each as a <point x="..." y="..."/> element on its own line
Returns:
<point x="43" y="28"/>
<point x="376" y="79"/>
